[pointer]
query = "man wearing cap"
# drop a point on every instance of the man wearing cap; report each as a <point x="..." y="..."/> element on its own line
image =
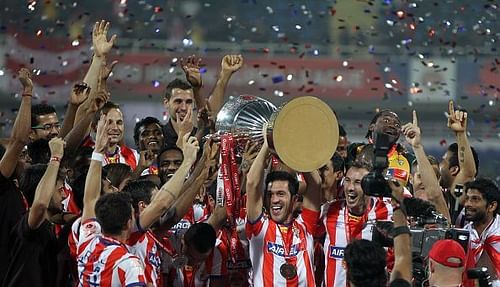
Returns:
<point x="446" y="263"/>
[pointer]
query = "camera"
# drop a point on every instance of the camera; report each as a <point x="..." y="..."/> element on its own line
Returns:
<point x="375" y="183"/>
<point x="480" y="273"/>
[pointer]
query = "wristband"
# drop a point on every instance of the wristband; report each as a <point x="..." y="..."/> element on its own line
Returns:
<point x="171" y="194"/>
<point x="396" y="231"/>
<point x="55" y="158"/>
<point x="27" y="95"/>
<point x="97" y="156"/>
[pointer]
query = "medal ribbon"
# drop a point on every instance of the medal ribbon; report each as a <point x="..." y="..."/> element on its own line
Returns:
<point x="359" y="227"/>
<point x="287" y="241"/>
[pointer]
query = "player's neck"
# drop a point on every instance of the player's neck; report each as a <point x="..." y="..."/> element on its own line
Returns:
<point x="122" y="237"/>
<point x="481" y="225"/>
<point x="111" y="149"/>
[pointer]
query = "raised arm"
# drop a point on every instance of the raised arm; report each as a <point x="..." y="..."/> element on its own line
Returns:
<point x="457" y="122"/>
<point x="101" y="47"/>
<point x="171" y="190"/>
<point x="191" y="68"/>
<point x="93" y="181"/>
<point x="22" y="126"/>
<point x="402" y="240"/>
<point x="192" y="186"/>
<point x="45" y="188"/>
<point x="312" y="196"/>
<point x="229" y="65"/>
<point x="254" y="184"/>
<point x="427" y="174"/>
<point x="79" y="94"/>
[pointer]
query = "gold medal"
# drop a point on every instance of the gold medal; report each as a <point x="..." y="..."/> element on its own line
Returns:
<point x="288" y="271"/>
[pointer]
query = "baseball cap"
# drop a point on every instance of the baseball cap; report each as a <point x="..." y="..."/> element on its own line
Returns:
<point x="448" y="252"/>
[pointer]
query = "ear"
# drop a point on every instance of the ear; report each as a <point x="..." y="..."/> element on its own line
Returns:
<point x="32" y="134"/>
<point x="339" y="174"/>
<point x="431" y="266"/>
<point x="165" y="103"/>
<point x="454" y="170"/>
<point x="492" y="207"/>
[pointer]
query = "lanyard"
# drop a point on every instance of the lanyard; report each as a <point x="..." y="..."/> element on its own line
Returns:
<point x="287" y="240"/>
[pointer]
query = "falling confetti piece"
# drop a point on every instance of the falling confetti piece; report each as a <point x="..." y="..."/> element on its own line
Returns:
<point x="277" y="79"/>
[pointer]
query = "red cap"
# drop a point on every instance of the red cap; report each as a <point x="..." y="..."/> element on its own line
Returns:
<point x="448" y="252"/>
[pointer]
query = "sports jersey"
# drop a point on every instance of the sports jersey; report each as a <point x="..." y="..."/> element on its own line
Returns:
<point x="488" y="241"/>
<point x="73" y="238"/>
<point x="144" y="245"/>
<point x="269" y="252"/>
<point x="104" y="261"/>
<point x="342" y="227"/>
<point x="123" y="154"/>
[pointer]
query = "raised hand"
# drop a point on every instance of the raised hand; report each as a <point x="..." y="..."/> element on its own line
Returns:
<point x="24" y="76"/>
<point x="232" y="63"/>
<point x="190" y="148"/>
<point x="191" y="67"/>
<point x="147" y="158"/>
<point x="102" y="138"/>
<point x="248" y="156"/>
<point x="99" y="39"/>
<point x="56" y="146"/>
<point x="412" y="131"/>
<point x="79" y="93"/>
<point x="106" y="70"/>
<point x="457" y="120"/>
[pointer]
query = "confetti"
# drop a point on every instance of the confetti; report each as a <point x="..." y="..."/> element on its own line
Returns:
<point x="277" y="79"/>
<point x="251" y="82"/>
<point x="289" y="77"/>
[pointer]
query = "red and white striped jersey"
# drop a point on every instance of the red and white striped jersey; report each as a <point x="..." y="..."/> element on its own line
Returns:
<point x="488" y="241"/>
<point x="341" y="228"/>
<point x="104" y="261"/>
<point x="73" y="238"/>
<point x="144" y="246"/>
<point x="267" y="250"/>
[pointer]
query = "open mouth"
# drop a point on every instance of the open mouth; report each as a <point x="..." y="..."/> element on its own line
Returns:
<point x="351" y="197"/>
<point x="152" y="143"/>
<point x="391" y="131"/>
<point x="276" y="210"/>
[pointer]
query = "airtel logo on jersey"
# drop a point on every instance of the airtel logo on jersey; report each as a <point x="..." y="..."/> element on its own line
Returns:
<point x="336" y="252"/>
<point x="278" y="249"/>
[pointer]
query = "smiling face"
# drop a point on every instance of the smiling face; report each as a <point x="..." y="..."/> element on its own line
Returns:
<point x="179" y="103"/>
<point x="151" y="138"/>
<point x="387" y="123"/>
<point x="48" y="127"/>
<point x="280" y="201"/>
<point x="115" y="126"/>
<point x="476" y="206"/>
<point x="169" y="162"/>
<point x="355" y="198"/>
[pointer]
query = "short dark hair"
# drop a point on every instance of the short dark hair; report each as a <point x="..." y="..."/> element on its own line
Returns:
<point x="116" y="173"/>
<point x="338" y="162"/>
<point x="31" y="178"/>
<point x="375" y="118"/>
<point x="176" y="84"/>
<point x="293" y="183"/>
<point x="139" y="190"/>
<point x="142" y="123"/>
<point x="104" y="110"/>
<point x="488" y="189"/>
<point x="113" y="211"/>
<point x="39" y="151"/>
<point x="167" y="148"/>
<point x="199" y="231"/>
<point x="40" y="110"/>
<point x="453" y="161"/>
<point x="366" y="261"/>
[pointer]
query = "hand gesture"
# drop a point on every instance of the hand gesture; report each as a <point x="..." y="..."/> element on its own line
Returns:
<point x="106" y="70"/>
<point x="185" y="126"/>
<point x="147" y="158"/>
<point x="232" y="63"/>
<point x="97" y="102"/>
<point x="190" y="148"/>
<point x="99" y="39"/>
<point x="24" y="76"/>
<point x="102" y="138"/>
<point x="457" y="120"/>
<point x="205" y="120"/>
<point x="191" y="67"/>
<point x="56" y="146"/>
<point x="248" y="156"/>
<point x="79" y="94"/>
<point x="412" y="131"/>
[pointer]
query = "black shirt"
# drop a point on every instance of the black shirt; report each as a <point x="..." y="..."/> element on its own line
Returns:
<point x="33" y="259"/>
<point x="170" y="134"/>
<point x="11" y="210"/>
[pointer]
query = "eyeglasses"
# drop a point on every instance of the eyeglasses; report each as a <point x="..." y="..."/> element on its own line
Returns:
<point x="47" y="127"/>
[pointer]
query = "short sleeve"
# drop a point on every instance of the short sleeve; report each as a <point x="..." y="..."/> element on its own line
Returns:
<point x="252" y="228"/>
<point x="88" y="230"/>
